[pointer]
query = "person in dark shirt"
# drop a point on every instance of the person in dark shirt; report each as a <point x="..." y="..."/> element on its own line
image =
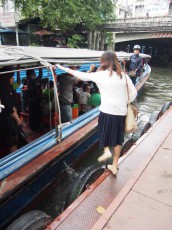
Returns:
<point x="135" y="64"/>
<point x="9" y="118"/>
<point x="35" y="96"/>
<point x="66" y="84"/>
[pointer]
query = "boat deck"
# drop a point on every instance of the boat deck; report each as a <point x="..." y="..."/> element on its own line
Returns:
<point x="138" y="198"/>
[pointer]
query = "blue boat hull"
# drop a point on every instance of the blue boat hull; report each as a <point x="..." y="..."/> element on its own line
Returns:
<point x="14" y="205"/>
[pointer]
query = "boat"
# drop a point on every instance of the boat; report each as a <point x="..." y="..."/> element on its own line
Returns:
<point x="25" y="173"/>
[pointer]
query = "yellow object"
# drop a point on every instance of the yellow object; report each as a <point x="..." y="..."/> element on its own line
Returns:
<point x="100" y="209"/>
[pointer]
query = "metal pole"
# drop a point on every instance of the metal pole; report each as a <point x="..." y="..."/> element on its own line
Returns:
<point x="16" y="26"/>
<point x="17" y="35"/>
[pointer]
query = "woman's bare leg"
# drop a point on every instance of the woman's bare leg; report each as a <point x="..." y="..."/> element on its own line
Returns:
<point x="106" y="154"/>
<point x="116" y="152"/>
<point x="113" y="167"/>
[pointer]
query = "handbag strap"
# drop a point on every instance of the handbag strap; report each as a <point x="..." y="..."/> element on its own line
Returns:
<point x="127" y="89"/>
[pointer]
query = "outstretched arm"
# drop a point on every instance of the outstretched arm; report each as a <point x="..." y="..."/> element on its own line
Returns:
<point x="92" y="66"/>
<point x="81" y="75"/>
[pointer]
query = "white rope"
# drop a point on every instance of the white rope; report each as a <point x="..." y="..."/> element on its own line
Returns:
<point x="14" y="51"/>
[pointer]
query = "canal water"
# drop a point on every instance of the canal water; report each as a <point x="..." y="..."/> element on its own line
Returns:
<point x="157" y="91"/>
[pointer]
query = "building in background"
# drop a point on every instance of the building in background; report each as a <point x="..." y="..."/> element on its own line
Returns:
<point x="123" y="9"/>
<point x="8" y="7"/>
<point x="170" y="8"/>
<point x="143" y="8"/>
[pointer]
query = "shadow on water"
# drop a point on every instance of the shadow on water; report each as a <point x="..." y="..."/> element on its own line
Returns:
<point x="156" y="92"/>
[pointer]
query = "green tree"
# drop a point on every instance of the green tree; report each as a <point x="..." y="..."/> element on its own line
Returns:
<point x="65" y="14"/>
<point x="74" y="41"/>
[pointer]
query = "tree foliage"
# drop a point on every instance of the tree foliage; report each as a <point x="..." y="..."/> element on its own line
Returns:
<point x="74" y="41"/>
<point x="65" y="14"/>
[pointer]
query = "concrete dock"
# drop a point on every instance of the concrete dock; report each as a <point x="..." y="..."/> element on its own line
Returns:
<point x="139" y="198"/>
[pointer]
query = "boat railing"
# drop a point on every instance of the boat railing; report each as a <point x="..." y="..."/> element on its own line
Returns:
<point x="23" y="156"/>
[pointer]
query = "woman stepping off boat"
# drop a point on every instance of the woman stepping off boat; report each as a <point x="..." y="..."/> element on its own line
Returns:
<point x="111" y="82"/>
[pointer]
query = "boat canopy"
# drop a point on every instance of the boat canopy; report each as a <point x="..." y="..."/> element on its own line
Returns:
<point x="28" y="54"/>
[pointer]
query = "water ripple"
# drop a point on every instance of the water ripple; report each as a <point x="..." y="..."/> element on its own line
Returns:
<point x="156" y="92"/>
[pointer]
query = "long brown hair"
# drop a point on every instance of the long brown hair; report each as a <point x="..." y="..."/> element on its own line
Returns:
<point x="110" y="62"/>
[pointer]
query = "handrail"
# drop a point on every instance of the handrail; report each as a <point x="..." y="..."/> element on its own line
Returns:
<point x="20" y="158"/>
<point x="140" y="24"/>
<point x="140" y="19"/>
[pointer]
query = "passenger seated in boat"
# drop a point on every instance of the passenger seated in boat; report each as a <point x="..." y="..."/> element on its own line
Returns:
<point x="75" y="95"/>
<point x="44" y="83"/>
<point x="92" y="69"/>
<point x="9" y="118"/>
<point x="15" y="87"/>
<point x="95" y="98"/>
<point x="35" y="97"/>
<point x="79" y="88"/>
<point x="47" y="97"/>
<point x="83" y="98"/>
<point x="18" y="82"/>
<point x="24" y="96"/>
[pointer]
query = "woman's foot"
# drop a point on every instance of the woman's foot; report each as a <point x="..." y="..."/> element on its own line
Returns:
<point x="113" y="169"/>
<point x="105" y="156"/>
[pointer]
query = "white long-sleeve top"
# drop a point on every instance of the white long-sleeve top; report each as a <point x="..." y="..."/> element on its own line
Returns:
<point x="112" y="88"/>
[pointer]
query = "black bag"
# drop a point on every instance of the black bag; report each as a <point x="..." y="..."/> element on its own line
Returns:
<point x="22" y="140"/>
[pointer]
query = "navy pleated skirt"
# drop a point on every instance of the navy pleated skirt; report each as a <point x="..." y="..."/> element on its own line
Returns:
<point x="110" y="129"/>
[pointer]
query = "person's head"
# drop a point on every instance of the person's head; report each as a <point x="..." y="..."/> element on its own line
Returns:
<point x="24" y="81"/>
<point x="80" y="84"/>
<point x="96" y="88"/>
<point x="136" y="49"/>
<point x="110" y="62"/>
<point x="30" y="74"/>
<point x="6" y="79"/>
<point x="86" y="88"/>
<point x="74" y="67"/>
<point x="51" y="84"/>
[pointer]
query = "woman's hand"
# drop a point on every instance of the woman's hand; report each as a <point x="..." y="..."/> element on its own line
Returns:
<point x="19" y="122"/>
<point x="92" y="66"/>
<point x="15" y="116"/>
